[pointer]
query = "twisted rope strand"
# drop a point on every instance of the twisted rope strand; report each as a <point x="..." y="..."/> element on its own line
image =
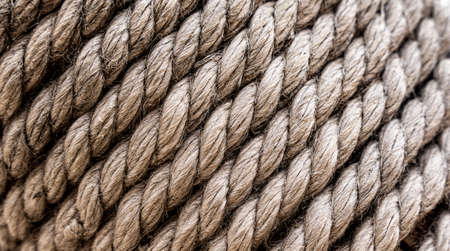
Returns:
<point x="121" y="153"/>
<point x="79" y="88"/>
<point x="438" y="239"/>
<point x="98" y="127"/>
<point x="52" y="183"/>
<point x="184" y="172"/>
<point x="378" y="171"/>
<point x="24" y="65"/>
<point x="16" y="17"/>
<point x="161" y="17"/>
<point x="253" y="108"/>
<point x="399" y="211"/>
<point x="230" y="187"/>
<point x="330" y="212"/>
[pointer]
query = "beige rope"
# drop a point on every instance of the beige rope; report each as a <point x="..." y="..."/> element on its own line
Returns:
<point x="398" y="212"/>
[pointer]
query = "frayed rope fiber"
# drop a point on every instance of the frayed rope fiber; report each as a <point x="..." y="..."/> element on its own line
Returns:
<point x="438" y="238"/>
<point x="224" y="124"/>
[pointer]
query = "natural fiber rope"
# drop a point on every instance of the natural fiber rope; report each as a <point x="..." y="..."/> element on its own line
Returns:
<point x="53" y="185"/>
<point x="398" y="212"/>
<point x="97" y="65"/>
<point x="77" y="90"/>
<point x="25" y="64"/>
<point x="309" y="172"/>
<point x="253" y="158"/>
<point x="16" y="17"/>
<point x="103" y="194"/>
<point x="439" y="238"/>
<point x="50" y="112"/>
<point x="275" y="84"/>
<point x="360" y="184"/>
<point x="35" y="182"/>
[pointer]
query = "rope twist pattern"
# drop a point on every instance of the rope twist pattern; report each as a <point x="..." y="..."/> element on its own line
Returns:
<point x="439" y="239"/>
<point x="78" y="89"/>
<point x="311" y="170"/>
<point x="230" y="116"/>
<point x="92" y="133"/>
<point x="16" y="17"/>
<point x="398" y="212"/>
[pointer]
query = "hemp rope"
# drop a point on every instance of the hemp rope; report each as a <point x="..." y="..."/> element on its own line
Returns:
<point x="16" y="17"/>
<point x="38" y="178"/>
<point x="40" y="122"/>
<point x="52" y="110"/>
<point x="438" y="238"/>
<point x="367" y="187"/>
<point x="116" y="194"/>
<point x="25" y="64"/>
<point x="264" y="84"/>
<point x="398" y="212"/>
<point x="103" y="193"/>
<point x="76" y="91"/>
<point x="179" y="188"/>
<point x="313" y="169"/>
<point x="330" y="212"/>
<point x="301" y="112"/>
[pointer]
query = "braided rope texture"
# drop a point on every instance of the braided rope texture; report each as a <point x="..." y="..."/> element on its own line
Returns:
<point x="223" y="124"/>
